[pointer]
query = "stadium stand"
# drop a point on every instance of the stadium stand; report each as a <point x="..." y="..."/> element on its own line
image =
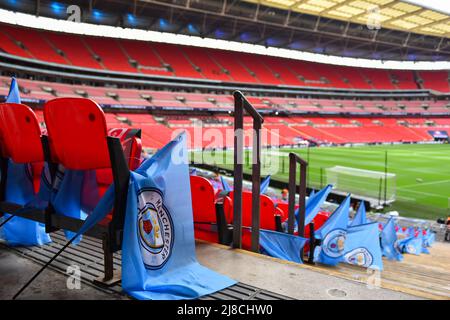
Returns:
<point x="190" y="62"/>
<point x="323" y="121"/>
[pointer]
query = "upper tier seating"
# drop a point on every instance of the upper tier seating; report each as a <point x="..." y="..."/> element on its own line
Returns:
<point x="133" y="97"/>
<point x="192" y="62"/>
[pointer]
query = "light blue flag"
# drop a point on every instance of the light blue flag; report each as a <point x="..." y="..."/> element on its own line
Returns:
<point x="14" y="94"/>
<point x="265" y="184"/>
<point x="158" y="252"/>
<point x="281" y="245"/>
<point x="362" y="246"/>
<point x="360" y="216"/>
<point x="332" y="235"/>
<point x="225" y="185"/>
<point x="389" y="242"/>
<point x="314" y="203"/>
<point x="311" y="195"/>
<point x="69" y="198"/>
<point x="423" y="239"/>
<point x="411" y="245"/>
<point x="20" y="190"/>
<point x="429" y="238"/>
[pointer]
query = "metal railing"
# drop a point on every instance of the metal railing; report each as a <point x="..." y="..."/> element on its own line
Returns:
<point x="241" y="104"/>
<point x="293" y="161"/>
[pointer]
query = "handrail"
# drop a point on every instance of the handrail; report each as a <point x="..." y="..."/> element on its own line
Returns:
<point x="241" y="104"/>
<point x="294" y="159"/>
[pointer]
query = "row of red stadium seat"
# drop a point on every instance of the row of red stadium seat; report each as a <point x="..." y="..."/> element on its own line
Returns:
<point x="285" y="131"/>
<point x="20" y="137"/>
<point x="40" y="90"/>
<point x="213" y="215"/>
<point x="191" y="62"/>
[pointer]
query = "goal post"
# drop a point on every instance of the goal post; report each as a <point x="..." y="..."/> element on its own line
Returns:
<point x="374" y="185"/>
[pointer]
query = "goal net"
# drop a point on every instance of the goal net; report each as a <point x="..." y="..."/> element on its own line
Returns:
<point x="375" y="185"/>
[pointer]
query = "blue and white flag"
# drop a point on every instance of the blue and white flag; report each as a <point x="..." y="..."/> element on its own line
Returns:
<point x="158" y="252"/>
<point x="282" y="245"/>
<point x="332" y="235"/>
<point x="389" y="242"/>
<point x="362" y="246"/>
<point x="360" y="216"/>
<point x="411" y="245"/>
<point x="225" y="185"/>
<point x="19" y="190"/>
<point x="265" y="184"/>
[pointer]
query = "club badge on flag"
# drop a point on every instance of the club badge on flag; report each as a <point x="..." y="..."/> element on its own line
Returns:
<point x="362" y="246"/>
<point x="333" y="235"/>
<point x="158" y="252"/>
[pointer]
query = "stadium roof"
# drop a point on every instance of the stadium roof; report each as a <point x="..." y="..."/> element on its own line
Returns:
<point x="252" y="23"/>
<point x="392" y="14"/>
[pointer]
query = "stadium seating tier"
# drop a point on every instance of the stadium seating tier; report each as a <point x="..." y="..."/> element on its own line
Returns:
<point x="202" y="63"/>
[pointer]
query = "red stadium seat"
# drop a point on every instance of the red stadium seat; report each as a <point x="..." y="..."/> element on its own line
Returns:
<point x="210" y="223"/>
<point x="78" y="144"/>
<point x="20" y="138"/>
<point x="132" y="148"/>
<point x="21" y="133"/>
<point x="78" y="140"/>
<point x="268" y="215"/>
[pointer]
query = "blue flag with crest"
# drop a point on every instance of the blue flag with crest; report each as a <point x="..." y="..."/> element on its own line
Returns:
<point x="389" y="242"/>
<point x="362" y="246"/>
<point x="158" y="252"/>
<point x="20" y="190"/>
<point x="332" y="235"/>
<point x="282" y="245"/>
<point x="411" y="245"/>
<point x="360" y="216"/>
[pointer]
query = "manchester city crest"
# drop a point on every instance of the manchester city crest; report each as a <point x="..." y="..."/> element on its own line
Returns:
<point x="155" y="228"/>
<point x="360" y="257"/>
<point x="333" y="243"/>
<point x="410" y="249"/>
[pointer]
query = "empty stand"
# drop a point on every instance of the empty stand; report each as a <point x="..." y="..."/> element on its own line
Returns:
<point x="192" y="62"/>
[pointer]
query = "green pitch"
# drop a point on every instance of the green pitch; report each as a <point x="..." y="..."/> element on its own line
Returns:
<point x="423" y="172"/>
